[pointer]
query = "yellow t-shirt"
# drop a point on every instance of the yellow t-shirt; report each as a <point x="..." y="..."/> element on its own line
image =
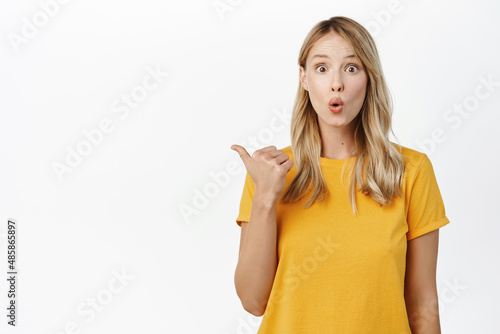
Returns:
<point x="341" y="273"/>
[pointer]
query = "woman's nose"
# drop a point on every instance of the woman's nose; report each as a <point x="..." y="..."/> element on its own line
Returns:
<point x="337" y="86"/>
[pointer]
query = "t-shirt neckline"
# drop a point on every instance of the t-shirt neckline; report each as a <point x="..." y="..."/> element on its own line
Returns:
<point x="335" y="162"/>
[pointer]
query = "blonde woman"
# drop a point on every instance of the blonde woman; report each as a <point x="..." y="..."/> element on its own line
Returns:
<point x="339" y="230"/>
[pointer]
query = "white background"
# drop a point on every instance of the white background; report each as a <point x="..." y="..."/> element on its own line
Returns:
<point x="226" y="75"/>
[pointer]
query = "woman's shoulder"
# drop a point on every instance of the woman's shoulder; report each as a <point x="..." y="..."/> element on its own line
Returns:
<point x="413" y="160"/>
<point x="410" y="156"/>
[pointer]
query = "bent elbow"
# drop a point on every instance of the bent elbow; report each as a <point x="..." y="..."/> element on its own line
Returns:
<point x="254" y="308"/>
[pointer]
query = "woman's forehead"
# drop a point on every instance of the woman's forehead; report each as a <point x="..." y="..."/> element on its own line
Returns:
<point x="330" y="51"/>
<point x="332" y="45"/>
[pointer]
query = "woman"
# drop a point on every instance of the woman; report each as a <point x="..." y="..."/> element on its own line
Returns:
<point x="322" y="255"/>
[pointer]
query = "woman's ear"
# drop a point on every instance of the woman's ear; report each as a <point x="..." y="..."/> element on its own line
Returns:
<point x="303" y="80"/>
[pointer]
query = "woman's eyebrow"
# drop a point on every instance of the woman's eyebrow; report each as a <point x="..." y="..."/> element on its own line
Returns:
<point x="326" y="56"/>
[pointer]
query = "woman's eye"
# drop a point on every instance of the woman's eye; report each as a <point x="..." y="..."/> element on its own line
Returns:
<point x="352" y="66"/>
<point x="320" y="67"/>
<point x="348" y="69"/>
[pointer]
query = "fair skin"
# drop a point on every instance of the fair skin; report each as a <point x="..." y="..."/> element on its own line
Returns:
<point x="421" y="295"/>
<point x="330" y="74"/>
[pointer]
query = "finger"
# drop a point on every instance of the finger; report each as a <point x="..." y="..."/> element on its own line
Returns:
<point x="281" y="158"/>
<point x="268" y="148"/>
<point x="288" y="164"/>
<point x="242" y="152"/>
<point x="269" y="151"/>
<point x="274" y="154"/>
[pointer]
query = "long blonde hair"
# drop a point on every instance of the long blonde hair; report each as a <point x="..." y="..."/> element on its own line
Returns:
<point x="379" y="165"/>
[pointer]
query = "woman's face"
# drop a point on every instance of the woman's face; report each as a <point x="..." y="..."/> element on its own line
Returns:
<point x="334" y="74"/>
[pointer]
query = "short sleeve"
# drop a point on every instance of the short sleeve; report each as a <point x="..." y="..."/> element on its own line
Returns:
<point x="246" y="200"/>
<point x="426" y="211"/>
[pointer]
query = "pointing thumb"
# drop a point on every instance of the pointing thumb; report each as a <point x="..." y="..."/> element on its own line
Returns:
<point x="243" y="153"/>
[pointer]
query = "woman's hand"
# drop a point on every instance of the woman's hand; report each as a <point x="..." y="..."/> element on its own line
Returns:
<point x="267" y="167"/>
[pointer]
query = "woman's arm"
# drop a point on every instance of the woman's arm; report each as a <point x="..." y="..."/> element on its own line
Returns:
<point x="257" y="262"/>
<point x="420" y="284"/>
